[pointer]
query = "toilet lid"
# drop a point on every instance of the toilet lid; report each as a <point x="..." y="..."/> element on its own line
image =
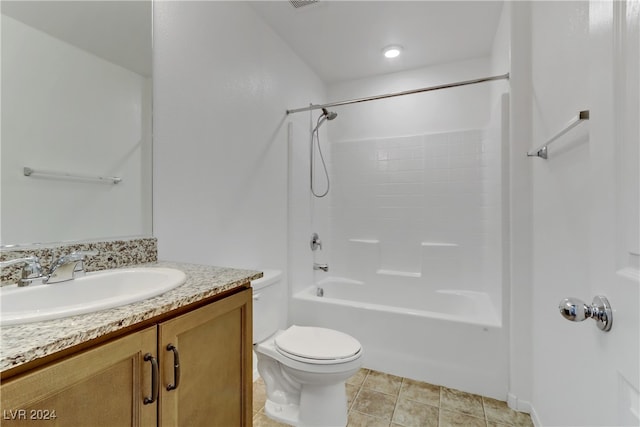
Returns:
<point x="317" y="343"/>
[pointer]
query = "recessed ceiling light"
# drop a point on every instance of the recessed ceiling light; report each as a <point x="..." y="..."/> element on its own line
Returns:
<point x="392" y="51"/>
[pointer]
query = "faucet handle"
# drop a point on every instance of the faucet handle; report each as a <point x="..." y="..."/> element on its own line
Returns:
<point x="81" y="256"/>
<point x="68" y="266"/>
<point x="27" y="260"/>
<point x="315" y="242"/>
<point x="30" y="272"/>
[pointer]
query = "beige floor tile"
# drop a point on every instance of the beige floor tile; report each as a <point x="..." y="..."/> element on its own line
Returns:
<point x="352" y="392"/>
<point x="459" y="401"/>
<point x="261" y="420"/>
<point x="414" y="414"/>
<point x="457" y="419"/>
<point x="384" y="383"/>
<point x="357" y="419"/>
<point x="377" y="399"/>
<point x="497" y="411"/>
<point x="358" y="378"/>
<point x="374" y="403"/>
<point x="524" y="420"/>
<point x="259" y="395"/>
<point x="420" y="392"/>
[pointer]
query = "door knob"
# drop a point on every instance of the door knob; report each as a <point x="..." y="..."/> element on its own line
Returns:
<point x="577" y="310"/>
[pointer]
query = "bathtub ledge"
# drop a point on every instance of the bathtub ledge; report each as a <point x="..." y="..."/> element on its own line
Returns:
<point x="398" y="273"/>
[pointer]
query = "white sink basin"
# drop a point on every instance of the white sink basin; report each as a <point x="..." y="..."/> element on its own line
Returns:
<point x="96" y="291"/>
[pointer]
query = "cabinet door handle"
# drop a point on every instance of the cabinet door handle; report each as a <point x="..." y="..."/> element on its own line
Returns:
<point x="154" y="379"/>
<point x="176" y="367"/>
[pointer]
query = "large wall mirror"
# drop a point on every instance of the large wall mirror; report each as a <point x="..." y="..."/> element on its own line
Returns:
<point x="76" y="110"/>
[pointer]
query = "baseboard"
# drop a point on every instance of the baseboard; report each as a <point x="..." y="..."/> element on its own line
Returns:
<point x="523" y="406"/>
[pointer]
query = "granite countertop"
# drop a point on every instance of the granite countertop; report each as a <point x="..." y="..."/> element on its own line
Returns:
<point x="20" y="344"/>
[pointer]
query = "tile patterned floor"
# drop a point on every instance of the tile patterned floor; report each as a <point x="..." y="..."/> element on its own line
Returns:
<point x="377" y="399"/>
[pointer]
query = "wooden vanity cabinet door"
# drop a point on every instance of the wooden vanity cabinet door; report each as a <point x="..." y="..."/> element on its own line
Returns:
<point x="214" y="344"/>
<point x="103" y="386"/>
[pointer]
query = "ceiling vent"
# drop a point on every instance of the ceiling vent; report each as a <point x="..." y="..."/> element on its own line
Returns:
<point x="301" y="3"/>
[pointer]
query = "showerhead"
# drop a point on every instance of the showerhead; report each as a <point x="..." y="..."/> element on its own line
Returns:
<point x="330" y="115"/>
<point x="326" y="115"/>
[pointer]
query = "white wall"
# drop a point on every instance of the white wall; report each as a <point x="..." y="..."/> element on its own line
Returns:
<point x="66" y="110"/>
<point x="568" y="211"/>
<point x="222" y="83"/>
<point x="560" y="76"/>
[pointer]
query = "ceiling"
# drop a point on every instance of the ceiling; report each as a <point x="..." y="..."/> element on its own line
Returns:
<point x="118" y="31"/>
<point x="343" y="40"/>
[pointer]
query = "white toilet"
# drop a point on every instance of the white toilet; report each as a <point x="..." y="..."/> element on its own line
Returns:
<point x="304" y="368"/>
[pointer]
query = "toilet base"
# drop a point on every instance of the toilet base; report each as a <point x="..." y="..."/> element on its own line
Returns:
<point x="288" y="414"/>
<point x="320" y="406"/>
<point x="323" y="405"/>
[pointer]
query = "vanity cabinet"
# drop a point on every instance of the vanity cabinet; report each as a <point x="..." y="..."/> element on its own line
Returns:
<point x="214" y="349"/>
<point x="98" y="387"/>
<point x="203" y="376"/>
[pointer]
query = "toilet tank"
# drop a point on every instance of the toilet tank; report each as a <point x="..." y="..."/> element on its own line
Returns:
<point x="268" y="304"/>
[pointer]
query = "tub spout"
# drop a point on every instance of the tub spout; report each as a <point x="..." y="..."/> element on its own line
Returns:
<point x="319" y="292"/>
<point x="323" y="267"/>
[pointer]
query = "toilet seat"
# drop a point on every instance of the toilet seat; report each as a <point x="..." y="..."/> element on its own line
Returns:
<point x="317" y="345"/>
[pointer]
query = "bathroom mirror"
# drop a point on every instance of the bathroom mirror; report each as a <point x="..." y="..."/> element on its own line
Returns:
<point x="76" y="109"/>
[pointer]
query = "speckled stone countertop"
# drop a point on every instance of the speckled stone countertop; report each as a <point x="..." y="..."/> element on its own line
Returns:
<point x="20" y="344"/>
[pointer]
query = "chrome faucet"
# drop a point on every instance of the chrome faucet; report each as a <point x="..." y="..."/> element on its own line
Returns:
<point x="323" y="267"/>
<point x="315" y="242"/>
<point x="31" y="272"/>
<point x="68" y="267"/>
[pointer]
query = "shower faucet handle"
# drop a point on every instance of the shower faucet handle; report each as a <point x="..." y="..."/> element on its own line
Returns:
<point x="315" y="242"/>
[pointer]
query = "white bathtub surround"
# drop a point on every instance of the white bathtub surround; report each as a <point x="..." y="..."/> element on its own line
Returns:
<point x="414" y="226"/>
<point x="416" y="264"/>
<point x="423" y="207"/>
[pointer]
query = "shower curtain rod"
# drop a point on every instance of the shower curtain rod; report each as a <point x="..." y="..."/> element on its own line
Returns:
<point x="407" y="92"/>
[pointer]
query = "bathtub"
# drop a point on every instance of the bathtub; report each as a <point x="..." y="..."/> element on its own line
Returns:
<point x="445" y="337"/>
